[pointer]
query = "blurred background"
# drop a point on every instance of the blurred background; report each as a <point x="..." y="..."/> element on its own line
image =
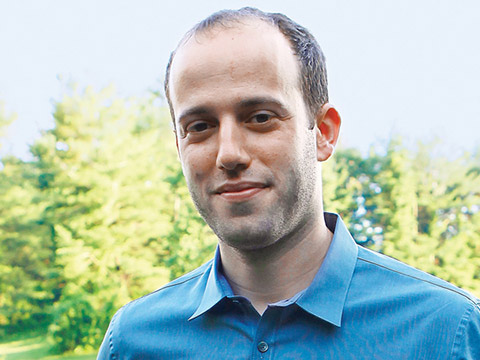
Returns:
<point x="94" y="210"/>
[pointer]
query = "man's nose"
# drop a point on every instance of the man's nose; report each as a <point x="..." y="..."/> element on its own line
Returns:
<point x="232" y="152"/>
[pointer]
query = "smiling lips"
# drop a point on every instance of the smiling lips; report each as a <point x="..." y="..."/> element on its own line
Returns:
<point x="240" y="191"/>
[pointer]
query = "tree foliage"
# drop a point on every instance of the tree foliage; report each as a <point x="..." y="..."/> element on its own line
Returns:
<point x="421" y="209"/>
<point x="102" y="215"/>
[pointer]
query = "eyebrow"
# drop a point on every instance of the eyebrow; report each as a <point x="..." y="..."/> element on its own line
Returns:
<point x="242" y="105"/>
<point x="262" y="100"/>
<point x="196" y="110"/>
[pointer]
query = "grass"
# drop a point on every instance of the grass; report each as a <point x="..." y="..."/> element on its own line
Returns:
<point x="34" y="347"/>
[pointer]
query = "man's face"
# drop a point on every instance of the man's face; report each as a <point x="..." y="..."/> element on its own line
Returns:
<point x="243" y="138"/>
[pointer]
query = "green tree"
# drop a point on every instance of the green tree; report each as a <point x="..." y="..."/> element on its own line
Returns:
<point x="350" y="189"/>
<point x="341" y="185"/>
<point x="119" y="212"/>
<point x="414" y="206"/>
<point x="26" y="279"/>
<point x="397" y="205"/>
<point x="449" y="203"/>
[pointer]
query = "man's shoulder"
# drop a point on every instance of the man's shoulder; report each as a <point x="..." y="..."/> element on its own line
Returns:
<point x="184" y="282"/>
<point x="404" y="280"/>
<point x="438" y="316"/>
<point x="164" y="310"/>
<point x="179" y="297"/>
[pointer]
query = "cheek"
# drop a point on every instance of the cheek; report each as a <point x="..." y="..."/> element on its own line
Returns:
<point x="293" y="158"/>
<point x="196" y="164"/>
<point x="280" y="153"/>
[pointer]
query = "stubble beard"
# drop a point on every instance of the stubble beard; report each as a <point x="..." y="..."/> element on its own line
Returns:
<point x="250" y="226"/>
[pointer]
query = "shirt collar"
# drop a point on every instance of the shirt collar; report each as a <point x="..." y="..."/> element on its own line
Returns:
<point x="326" y="295"/>
<point x="216" y="289"/>
<point x="324" y="298"/>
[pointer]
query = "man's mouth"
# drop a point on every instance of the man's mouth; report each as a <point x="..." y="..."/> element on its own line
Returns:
<point x="240" y="191"/>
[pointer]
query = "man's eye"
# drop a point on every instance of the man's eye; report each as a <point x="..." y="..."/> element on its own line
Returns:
<point x="260" y="118"/>
<point x="197" y="126"/>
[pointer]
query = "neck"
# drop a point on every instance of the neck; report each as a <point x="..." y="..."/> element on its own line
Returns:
<point x="279" y="271"/>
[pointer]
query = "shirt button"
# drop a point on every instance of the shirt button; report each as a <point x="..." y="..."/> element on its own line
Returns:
<point x="262" y="346"/>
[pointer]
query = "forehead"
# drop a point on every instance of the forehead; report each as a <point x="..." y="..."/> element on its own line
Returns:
<point x="251" y="54"/>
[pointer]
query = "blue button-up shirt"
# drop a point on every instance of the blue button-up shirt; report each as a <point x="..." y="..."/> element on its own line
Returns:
<point x="360" y="305"/>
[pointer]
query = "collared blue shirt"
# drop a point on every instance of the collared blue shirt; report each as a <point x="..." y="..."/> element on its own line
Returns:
<point x="360" y="305"/>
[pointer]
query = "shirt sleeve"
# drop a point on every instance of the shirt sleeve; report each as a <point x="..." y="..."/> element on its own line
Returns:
<point x="105" y="352"/>
<point x="467" y="339"/>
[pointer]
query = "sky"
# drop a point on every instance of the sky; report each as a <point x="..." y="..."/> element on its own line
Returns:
<point x="409" y="68"/>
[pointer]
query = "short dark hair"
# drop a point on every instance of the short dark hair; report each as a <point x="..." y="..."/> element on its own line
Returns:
<point x="313" y="72"/>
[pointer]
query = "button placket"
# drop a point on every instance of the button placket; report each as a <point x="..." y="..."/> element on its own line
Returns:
<point x="265" y="335"/>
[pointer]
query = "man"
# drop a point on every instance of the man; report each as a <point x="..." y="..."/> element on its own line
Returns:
<point x="248" y="97"/>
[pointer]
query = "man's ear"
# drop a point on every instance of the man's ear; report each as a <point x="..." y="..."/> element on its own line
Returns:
<point x="328" y="127"/>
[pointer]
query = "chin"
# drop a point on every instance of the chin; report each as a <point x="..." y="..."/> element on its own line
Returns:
<point x="246" y="235"/>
